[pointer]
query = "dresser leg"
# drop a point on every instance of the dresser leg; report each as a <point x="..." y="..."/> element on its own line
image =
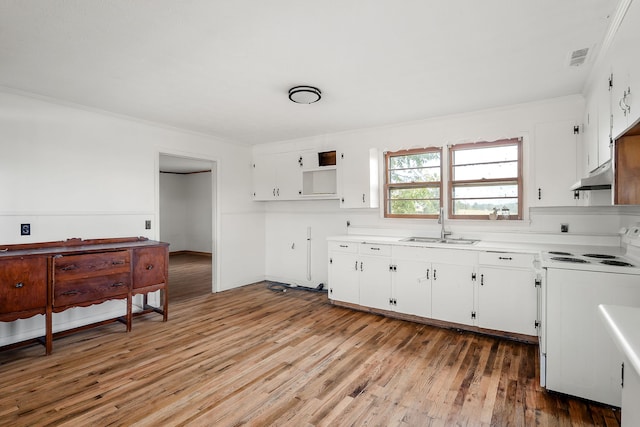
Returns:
<point x="129" y="312"/>
<point x="48" y="340"/>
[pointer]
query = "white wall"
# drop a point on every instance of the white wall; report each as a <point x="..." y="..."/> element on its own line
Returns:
<point x="286" y="222"/>
<point x="73" y="172"/>
<point x="185" y="211"/>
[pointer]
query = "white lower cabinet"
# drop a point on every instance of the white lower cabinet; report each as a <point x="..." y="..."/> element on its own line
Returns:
<point x="411" y="287"/>
<point x="630" y="395"/>
<point x="452" y="293"/>
<point x="359" y="273"/>
<point x="507" y="293"/>
<point x="435" y="283"/>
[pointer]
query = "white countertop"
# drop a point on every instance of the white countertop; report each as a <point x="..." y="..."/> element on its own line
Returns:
<point x="483" y="245"/>
<point x="623" y="324"/>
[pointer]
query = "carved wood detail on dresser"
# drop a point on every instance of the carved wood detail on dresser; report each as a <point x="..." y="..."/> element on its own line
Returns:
<point x="50" y="277"/>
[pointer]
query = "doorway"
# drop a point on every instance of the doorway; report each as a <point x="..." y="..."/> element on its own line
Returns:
<point x="187" y="221"/>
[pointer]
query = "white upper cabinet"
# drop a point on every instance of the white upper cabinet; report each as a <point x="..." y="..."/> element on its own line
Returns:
<point x="277" y="177"/>
<point x="625" y="63"/>
<point x="358" y="182"/>
<point x="590" y="135"/>
<point x="555" y="164"/>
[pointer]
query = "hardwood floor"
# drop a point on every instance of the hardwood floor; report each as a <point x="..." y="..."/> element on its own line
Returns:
<point x="189" y="276"/>
<point x="251" y="356"/>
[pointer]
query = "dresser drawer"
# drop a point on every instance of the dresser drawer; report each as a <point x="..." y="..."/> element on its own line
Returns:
<point x="350" y="247"/>
<point x="23" y="284"/>
<point x="91" y="290"/>
<point x="149" y="267"/>
<point x="507" y="259"/>
<point x="75" y="267"/>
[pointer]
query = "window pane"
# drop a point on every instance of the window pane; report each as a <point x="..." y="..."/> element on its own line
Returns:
<point x="414" y="175"/>
<point x="414" y="193"/>
<point x="484" y="191"/>
<point x="431" y="159"/>
<point x="474" y="172"/>
<point x="484" y="155"/>
<point x="484" y="206"/>
<point x="414" y="207"/>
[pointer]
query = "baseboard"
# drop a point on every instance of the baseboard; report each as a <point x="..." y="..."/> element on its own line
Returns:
<point x="209" y="254"/>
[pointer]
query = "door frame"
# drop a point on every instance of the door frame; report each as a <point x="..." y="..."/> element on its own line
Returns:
<point x="215" y="206"/>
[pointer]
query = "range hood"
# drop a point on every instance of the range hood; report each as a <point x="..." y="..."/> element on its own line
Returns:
<point x="599" y="179"/>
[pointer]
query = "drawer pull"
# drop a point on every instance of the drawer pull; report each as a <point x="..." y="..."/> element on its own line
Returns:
<point x="74" y="292"/>
<point x="119" y="262"/>
<point x="375" y="249"/>
<point x="68" y="267"/>
<point x="117" y="285"/>
<point x="150" y="267"/>
<point x="344" y="246"/>
<point x="19" y="285"/>
<point x="506" y="258"/>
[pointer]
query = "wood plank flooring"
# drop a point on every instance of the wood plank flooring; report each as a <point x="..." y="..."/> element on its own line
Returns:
<point x="189" y="276"/>
<point x="251" y="356"/>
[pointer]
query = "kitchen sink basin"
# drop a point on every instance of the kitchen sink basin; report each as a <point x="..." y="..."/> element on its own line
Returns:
<point x="449" y="240"/>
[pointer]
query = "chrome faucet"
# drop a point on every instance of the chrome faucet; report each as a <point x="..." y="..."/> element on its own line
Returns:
<point x="443" y="234"/>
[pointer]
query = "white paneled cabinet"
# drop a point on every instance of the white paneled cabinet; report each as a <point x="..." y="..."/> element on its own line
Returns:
<point x="452" y="293"/>
<point x="630" y="395"/>
<point x="358" y="177"/>
<point x="411" y="287"/>
<point x="507" y="293"/>
<point x="359" y="273"/>
<point x="625" y="62"/>
<point x="488" y="290"/>
<point x="555" y="167"/>
<point x="277" y="177"/>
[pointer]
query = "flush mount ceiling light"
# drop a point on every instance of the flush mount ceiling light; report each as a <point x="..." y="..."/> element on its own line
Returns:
<point x="305" y="94"/>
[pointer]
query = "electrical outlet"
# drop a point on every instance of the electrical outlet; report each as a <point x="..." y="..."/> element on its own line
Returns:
<point x="147" y="224"/>
<point x="25" y="229"/>
<point x="564" y="228"/>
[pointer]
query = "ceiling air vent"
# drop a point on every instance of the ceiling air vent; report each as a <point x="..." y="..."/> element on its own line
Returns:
<point x="578" y="57"/>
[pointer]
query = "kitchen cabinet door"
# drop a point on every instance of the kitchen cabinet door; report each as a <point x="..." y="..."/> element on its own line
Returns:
<point x="625" y="63"/>
<point x="630" y="396"/>
<point x="555" y="168"/>
<point x="452" y="293"/>
<point x="277" y="177"/>
<point x="412" y="287"/>
<point x="603" y="97"/>
<point x="375" y="282"/>
<point x="344" y="277"/>
<point x="358" y="177"/>
<point x="507" y="300"/>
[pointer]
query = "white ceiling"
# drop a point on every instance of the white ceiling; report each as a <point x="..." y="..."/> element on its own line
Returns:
<point x="223" y="67"/>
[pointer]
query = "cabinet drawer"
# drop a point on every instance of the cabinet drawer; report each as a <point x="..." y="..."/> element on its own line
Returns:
<point x="88" y="290"/>
<point x="75" y="267"/>
<point x="23" y="284"/>
<point x="149" y="267"/>
<point x="350" y="247"/>
<point x="507" y="259"/>
<point x="373" y="249"/>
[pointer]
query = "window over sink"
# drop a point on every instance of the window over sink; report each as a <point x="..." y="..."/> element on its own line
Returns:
<point x="485" y="179"/>
<point x="413" y="183"/>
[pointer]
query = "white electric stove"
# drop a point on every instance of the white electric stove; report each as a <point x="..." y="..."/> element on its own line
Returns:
<point x="577" y="354"/>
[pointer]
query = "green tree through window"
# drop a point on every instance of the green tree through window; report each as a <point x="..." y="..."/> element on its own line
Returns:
<point x="413" y="183"/>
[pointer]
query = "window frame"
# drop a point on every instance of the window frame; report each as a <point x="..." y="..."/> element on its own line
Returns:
<point x="389" y="186"/>
<point x="451" y="183"/>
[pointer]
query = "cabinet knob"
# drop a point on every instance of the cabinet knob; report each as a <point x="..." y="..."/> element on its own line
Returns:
<point x="150" y="267"/>
<point x="19" y="285"/>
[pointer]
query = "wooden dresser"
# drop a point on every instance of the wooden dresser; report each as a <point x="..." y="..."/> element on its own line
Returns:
<point x="50" y="277"/>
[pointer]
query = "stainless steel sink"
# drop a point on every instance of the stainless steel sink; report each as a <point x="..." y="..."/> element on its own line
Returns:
<point x="449" y="240"/>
